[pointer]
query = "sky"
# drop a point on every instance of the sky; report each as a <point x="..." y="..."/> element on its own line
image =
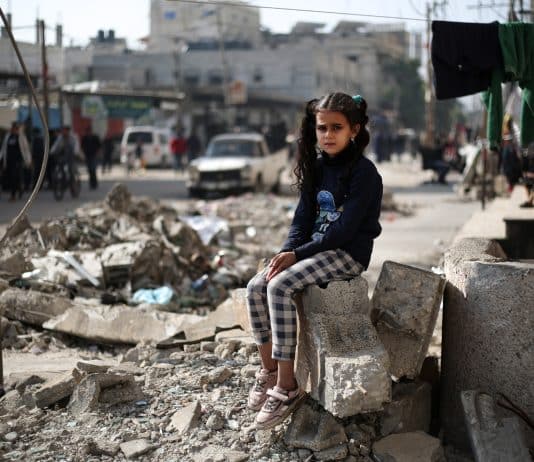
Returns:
<point x="82" y="19"/>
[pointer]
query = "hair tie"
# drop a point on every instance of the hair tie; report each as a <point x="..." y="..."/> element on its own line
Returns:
<point x="357" y="99"/>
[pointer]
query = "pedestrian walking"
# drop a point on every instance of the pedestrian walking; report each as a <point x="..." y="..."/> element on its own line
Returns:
<point x="37" y="149"/>
<point x="91" y="145"/>
<point x="194" y="146"/>
<point x="178" y="150"/>
<point x="107" y="155"/>
<point x="14" y="157"/>
<point x="330" y="238"/>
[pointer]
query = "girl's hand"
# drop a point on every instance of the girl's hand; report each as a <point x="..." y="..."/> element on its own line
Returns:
<point x="279" y="263"/>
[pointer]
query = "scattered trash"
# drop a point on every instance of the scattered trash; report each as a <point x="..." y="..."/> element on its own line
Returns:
<point x="160" y="296"/>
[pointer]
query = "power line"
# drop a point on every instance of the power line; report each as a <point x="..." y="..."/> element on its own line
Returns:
<point x="299" y="10"/>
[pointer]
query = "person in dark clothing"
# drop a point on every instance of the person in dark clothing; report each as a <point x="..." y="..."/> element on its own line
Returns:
<point x="107" y="157"/>
<point x="193" y="146"/>
<point x="37" y="148"/>
<point x="53" y="134"/>
<point x="91" y="146"/>
<point x="14" y="157"/>
<point x="330" y="238"/>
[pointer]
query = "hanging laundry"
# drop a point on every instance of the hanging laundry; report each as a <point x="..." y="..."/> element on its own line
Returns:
<point x="517" y="46"/>
<point x="464" y="56"/>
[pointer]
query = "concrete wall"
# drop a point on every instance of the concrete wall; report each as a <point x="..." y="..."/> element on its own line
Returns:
<point x="488" y="332"/>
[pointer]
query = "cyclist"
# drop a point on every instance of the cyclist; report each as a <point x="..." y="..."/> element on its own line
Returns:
<point x="65" y="149"/>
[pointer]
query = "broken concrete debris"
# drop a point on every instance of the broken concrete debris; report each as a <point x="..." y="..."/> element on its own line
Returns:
<point x="187" y="402"/>
<point x="406" y="303"/>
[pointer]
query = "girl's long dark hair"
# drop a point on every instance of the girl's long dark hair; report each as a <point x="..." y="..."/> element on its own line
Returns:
<point x="354" y="109"/>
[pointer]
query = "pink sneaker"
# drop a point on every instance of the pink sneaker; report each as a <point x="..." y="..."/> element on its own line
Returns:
<point x="265" y="379"/>
<point x="278" y="407"/>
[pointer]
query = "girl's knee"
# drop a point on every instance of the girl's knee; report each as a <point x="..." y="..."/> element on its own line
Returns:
<point x="256" y="284"/>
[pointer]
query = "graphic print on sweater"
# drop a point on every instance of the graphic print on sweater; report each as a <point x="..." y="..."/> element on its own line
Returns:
<point x="327" y="213"/>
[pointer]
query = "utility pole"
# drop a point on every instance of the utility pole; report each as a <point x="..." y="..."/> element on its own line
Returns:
<point x="225" y="79"/>
<point x="44" y="66"/>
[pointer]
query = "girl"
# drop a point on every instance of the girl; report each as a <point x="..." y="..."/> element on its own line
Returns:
<point x="330" y="238"/>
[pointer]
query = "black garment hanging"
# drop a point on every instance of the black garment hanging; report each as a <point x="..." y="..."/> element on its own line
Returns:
<point x="464" y="55"/>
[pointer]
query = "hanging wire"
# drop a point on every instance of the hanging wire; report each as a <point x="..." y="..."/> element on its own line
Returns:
<point x="37" y="187"/>
<point x="300" y="10"/>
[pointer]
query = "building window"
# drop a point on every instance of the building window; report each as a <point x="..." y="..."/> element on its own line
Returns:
<point x="215" y="79"/>
<point x="192" y="79"/>
<point x="257" y="77"/>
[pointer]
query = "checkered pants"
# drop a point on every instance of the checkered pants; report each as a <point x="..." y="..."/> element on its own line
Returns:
<point x="270" y="304"/>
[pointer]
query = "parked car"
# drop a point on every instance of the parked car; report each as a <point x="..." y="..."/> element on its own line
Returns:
<point x="155" y="145"/>
<point x="235" y="163"/>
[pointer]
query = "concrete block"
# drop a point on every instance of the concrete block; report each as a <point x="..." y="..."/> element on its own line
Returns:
<point x="239" y="298"/>
<point x="32" y="307"/>
<point x="487" y="333"/>
<point x="56" y="390"/>
<point x="409" y="410"/>
<point x="406" y="303"/>
<point x="409" y="447"/>
<point x="186" y="419"/>
<point x="340" y="359"/>
<point x="356" y="384"/>
<point x="87" y="393"/>
<point x="314" y="428"/>
<point x="493" y="439"/>
<point x="120" y="324"/>
<point x="134" y="448"/>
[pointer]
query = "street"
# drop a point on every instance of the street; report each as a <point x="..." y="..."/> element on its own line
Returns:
<point x="418" y="239"/>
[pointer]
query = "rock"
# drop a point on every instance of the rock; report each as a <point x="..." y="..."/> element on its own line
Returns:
<point x="235" y="335"/>
<point x="215" y="421"/>
<point x="336" y="453"/>
<point x="102" y="448"/>
<point x="12" y="263"/>
<point x="120" y="324"/>
<point x="94" y="366"/>
<point x="127" y="368"/>
<point x="11" y="401"/>
<point x="409" y="410"/>
<point x="97" y="387"/>
<point x="406" y="303"/>
<point x="487" y="332"/>
<point x="55" y="390"/>
<point x="119" y="198"/>
<point x="409" y="447"/>
<point x="340" y="359"/>
<point x="4" y="285"/>
<point x="216" y="376"/>
<point x="11" y="437"/>
<point x="32" y="307"/>
<point x="124" y="392"/>
<point x="186" y="418"/>
<point x="314" y="428"/>
<point x="21" y="380"/>
<point x="492" y="438"/>
<point x="135" y="448"/>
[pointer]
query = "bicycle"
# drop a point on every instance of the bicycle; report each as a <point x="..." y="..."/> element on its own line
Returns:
<point x="62" y="179"/>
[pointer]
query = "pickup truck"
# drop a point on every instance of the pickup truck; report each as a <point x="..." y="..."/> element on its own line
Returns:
<point x="235" y="163"/>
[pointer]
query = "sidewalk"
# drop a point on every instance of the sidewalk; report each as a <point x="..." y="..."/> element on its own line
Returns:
<point x="489" y="223"/>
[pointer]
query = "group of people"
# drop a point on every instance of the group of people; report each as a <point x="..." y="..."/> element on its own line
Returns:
<point x="184" y="150"/>
<point x="517" y="167"/>
<point x="21" y="160"/>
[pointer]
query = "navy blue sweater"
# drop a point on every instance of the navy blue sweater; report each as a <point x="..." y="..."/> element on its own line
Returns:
<point x="338" y="214"/>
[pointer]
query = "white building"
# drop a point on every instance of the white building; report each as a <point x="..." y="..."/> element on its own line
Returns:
<point x="172" y="22"/>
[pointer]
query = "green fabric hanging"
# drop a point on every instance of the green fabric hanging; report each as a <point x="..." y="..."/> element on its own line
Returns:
<point x="517" y="46"/>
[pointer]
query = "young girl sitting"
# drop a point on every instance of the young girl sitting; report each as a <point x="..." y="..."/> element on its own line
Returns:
<point x="330" y="238"/>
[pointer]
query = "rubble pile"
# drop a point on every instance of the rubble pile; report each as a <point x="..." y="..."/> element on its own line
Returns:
<point x="133" y="271"/>
<point x="126" y="258"/>
<point x="184" y="405"/>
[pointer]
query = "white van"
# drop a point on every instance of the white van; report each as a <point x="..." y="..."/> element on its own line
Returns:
<point x="154" y="142"/>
